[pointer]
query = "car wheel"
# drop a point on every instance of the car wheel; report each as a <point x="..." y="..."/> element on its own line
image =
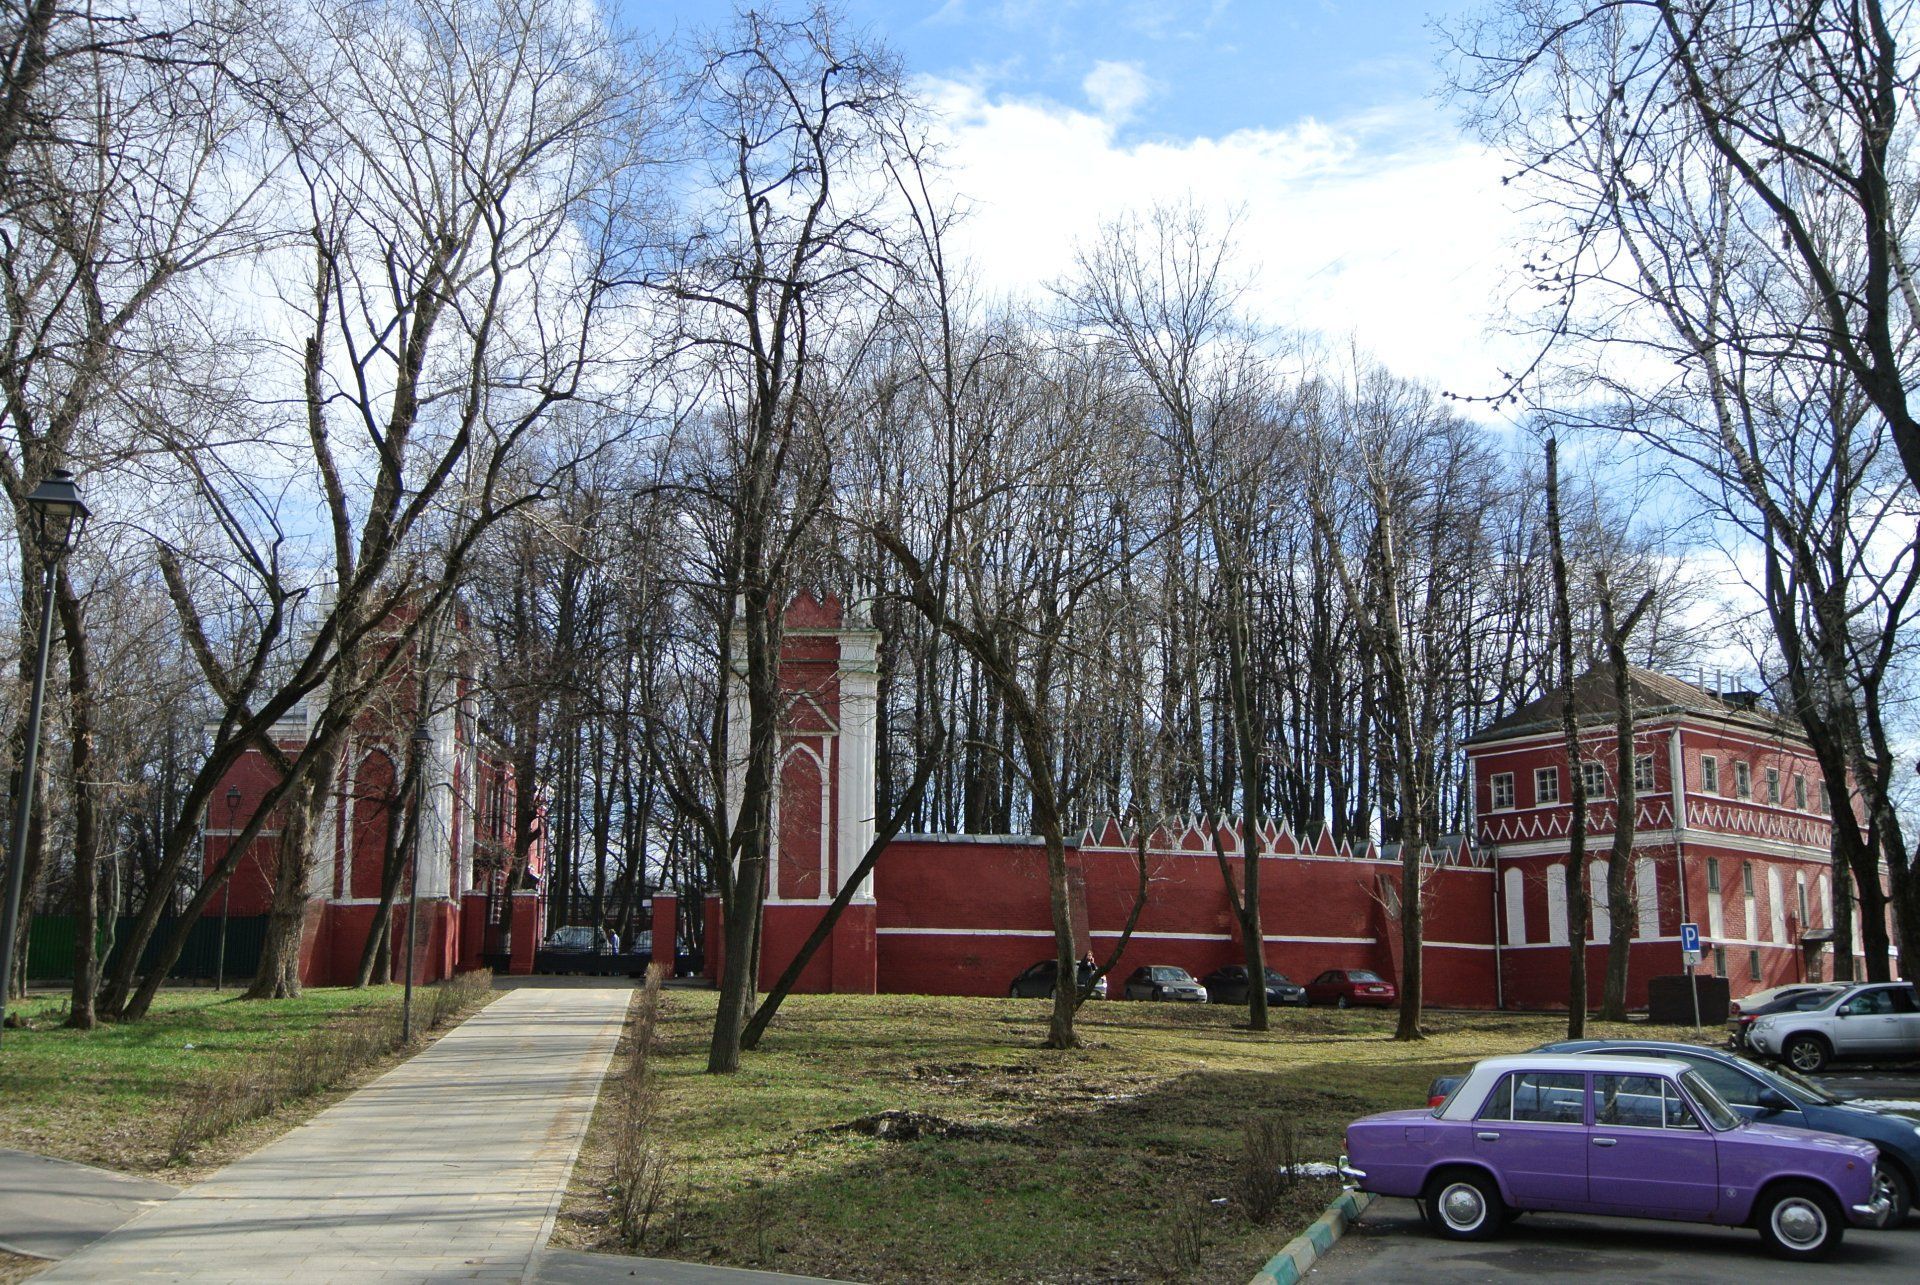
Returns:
<point x="1340" y="1002"/>
<point x="1890" y="1182"/>
<point x="1013" y="992"/>
<point x="1807" y="1053"/>
<point x="1465" y="1205"/>
<point x="1800" y="1221"/>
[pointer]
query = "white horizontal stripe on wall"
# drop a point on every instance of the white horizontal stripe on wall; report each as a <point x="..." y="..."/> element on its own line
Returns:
<point x="965" y="932"/>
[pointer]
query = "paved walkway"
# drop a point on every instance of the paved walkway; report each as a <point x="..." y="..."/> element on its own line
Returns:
<point x="52" y="1208"/>
<point x="449" y="1167"/>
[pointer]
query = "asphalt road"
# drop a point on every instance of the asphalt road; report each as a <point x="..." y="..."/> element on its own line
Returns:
<point x="1391" y="1241"/>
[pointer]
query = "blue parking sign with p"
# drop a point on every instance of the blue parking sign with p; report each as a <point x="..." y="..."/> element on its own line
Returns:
<point x="1690" y="937"/>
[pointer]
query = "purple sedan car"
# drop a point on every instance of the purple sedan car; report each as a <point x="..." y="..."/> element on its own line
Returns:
<point x="1641" y="1137"/>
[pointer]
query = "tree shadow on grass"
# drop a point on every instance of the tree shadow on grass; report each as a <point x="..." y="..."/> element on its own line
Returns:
<point x="1074" y="1180"/>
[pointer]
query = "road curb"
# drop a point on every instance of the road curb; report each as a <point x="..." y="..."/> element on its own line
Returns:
<point x="1294" y="1262"/>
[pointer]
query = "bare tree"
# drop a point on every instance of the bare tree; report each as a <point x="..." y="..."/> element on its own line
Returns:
<point x="1163" y="292"/>
<point x="452" y="169"/>
<point x="1728" y="193"/>
<point x="775" y="283"/>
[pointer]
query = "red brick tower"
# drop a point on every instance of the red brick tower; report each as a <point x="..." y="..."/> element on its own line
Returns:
<point x="823" y="815"/>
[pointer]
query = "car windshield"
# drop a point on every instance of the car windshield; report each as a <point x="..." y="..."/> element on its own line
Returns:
<point x="1173" y="974"/>
<point x="1362" y="975"/>
<point x="1278" y="979"/>
<point x="572" y="937"/>
<point x="1714" y="1107"/>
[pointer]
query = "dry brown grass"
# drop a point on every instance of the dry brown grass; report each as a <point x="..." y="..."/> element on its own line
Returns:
<point x="324" y="1059"/>
<point x="901" y="1138"/>
<point x="645" y="1208"/>
<point x="114" y="1096"/>
<point x="17" y="1267"/>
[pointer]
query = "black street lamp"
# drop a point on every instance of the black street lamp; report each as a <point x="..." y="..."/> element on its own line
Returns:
<point x="55" y="519"/>
<point x="422" y="745"/>
<point x="226" y="889"/>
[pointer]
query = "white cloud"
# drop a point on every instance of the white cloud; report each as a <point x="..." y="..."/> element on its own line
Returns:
<point x="1116" y="88"/>
<point x="1388" y="226"/>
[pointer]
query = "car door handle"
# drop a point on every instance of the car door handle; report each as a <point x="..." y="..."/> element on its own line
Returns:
<point x="1604" y="1142"/>
<point x="1487" y="1136"/>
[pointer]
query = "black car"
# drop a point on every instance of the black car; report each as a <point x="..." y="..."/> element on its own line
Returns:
<point x="1164" y="981"/>
<point x="1229" y="986"/>
<point x="1778" y="1096"/>
<point x="1037" y="982"/>
<point x="579" y="939"/>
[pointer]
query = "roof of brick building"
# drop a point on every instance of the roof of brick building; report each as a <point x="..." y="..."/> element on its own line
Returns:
<point x="1652" y="694"/>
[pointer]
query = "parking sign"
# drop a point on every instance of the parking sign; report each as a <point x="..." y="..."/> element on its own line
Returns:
<point x="1690" y="938"/>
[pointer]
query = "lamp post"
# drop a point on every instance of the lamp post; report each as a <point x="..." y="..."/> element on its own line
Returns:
<point x="56" y="518"/>
<point x="226" y="889"/>
<point x="422" y="743"/>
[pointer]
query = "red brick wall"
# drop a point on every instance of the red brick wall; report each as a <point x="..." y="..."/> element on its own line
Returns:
<point x="965" y="916"/>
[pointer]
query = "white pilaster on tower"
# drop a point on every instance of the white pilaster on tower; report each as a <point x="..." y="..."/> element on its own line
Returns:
<point x="859" y="721"/>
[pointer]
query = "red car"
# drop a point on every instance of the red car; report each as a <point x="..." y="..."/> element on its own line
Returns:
<point x="1346" y="987"/>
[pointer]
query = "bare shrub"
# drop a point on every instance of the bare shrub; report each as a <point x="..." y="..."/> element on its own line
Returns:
<point x="640" y="1187"/>
<point x="1178" y="1242"/>
<point x="1268" y="1167"/>
<point x="458" y="996"/>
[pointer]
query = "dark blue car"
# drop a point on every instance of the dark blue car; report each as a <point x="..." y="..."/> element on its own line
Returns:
<point x="1777" y="1096"/>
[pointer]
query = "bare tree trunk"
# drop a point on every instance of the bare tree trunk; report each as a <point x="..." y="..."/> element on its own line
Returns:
<point x="279" y="972"/>
<point x="399" y="840"/>
<point x="86" y="811"/>
<point x="1620" y="923"/>
<point x="1576" y="782"/>
<point x="783" y="985"/>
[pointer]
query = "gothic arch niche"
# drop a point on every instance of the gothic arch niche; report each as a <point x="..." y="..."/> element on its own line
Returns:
<point x="803" y="823"/>
<point x="373" y="790"/>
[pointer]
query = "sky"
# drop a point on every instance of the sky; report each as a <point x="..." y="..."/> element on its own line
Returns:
<point x="1367" y="216"/>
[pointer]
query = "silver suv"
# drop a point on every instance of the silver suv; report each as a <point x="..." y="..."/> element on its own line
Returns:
<point x="1877" y="1020"/>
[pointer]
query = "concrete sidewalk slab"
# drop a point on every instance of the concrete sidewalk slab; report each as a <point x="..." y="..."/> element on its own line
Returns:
<point x="450" y="1166"/>
<point x="570" y="1267"/>
<point x="54" y="1208"/>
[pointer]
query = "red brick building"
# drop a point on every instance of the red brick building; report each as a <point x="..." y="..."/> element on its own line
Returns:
<point x="1732" y="833"/>
<point x="466" y="825"/>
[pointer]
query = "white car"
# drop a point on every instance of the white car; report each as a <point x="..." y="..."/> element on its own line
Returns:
<point x="1873" y="1021"/>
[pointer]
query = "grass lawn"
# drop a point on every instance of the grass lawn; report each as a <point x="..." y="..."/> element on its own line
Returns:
<point x="112" y="1096"/>
<point x="1086" y="1166"/>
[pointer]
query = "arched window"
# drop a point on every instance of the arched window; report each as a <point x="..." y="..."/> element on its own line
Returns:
<point x="1646" y="894"/>
<point x="1557" y="905"/>
<point x="1776" y="907"/>
<point x="1602" y="908"/>
<point x="1516" y="907"/>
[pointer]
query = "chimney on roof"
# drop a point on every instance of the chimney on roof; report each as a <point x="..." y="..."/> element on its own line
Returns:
<point x="1742" y="699"/>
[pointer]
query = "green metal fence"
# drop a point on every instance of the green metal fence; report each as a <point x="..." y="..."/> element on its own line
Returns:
<point x="50" y="952"/>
